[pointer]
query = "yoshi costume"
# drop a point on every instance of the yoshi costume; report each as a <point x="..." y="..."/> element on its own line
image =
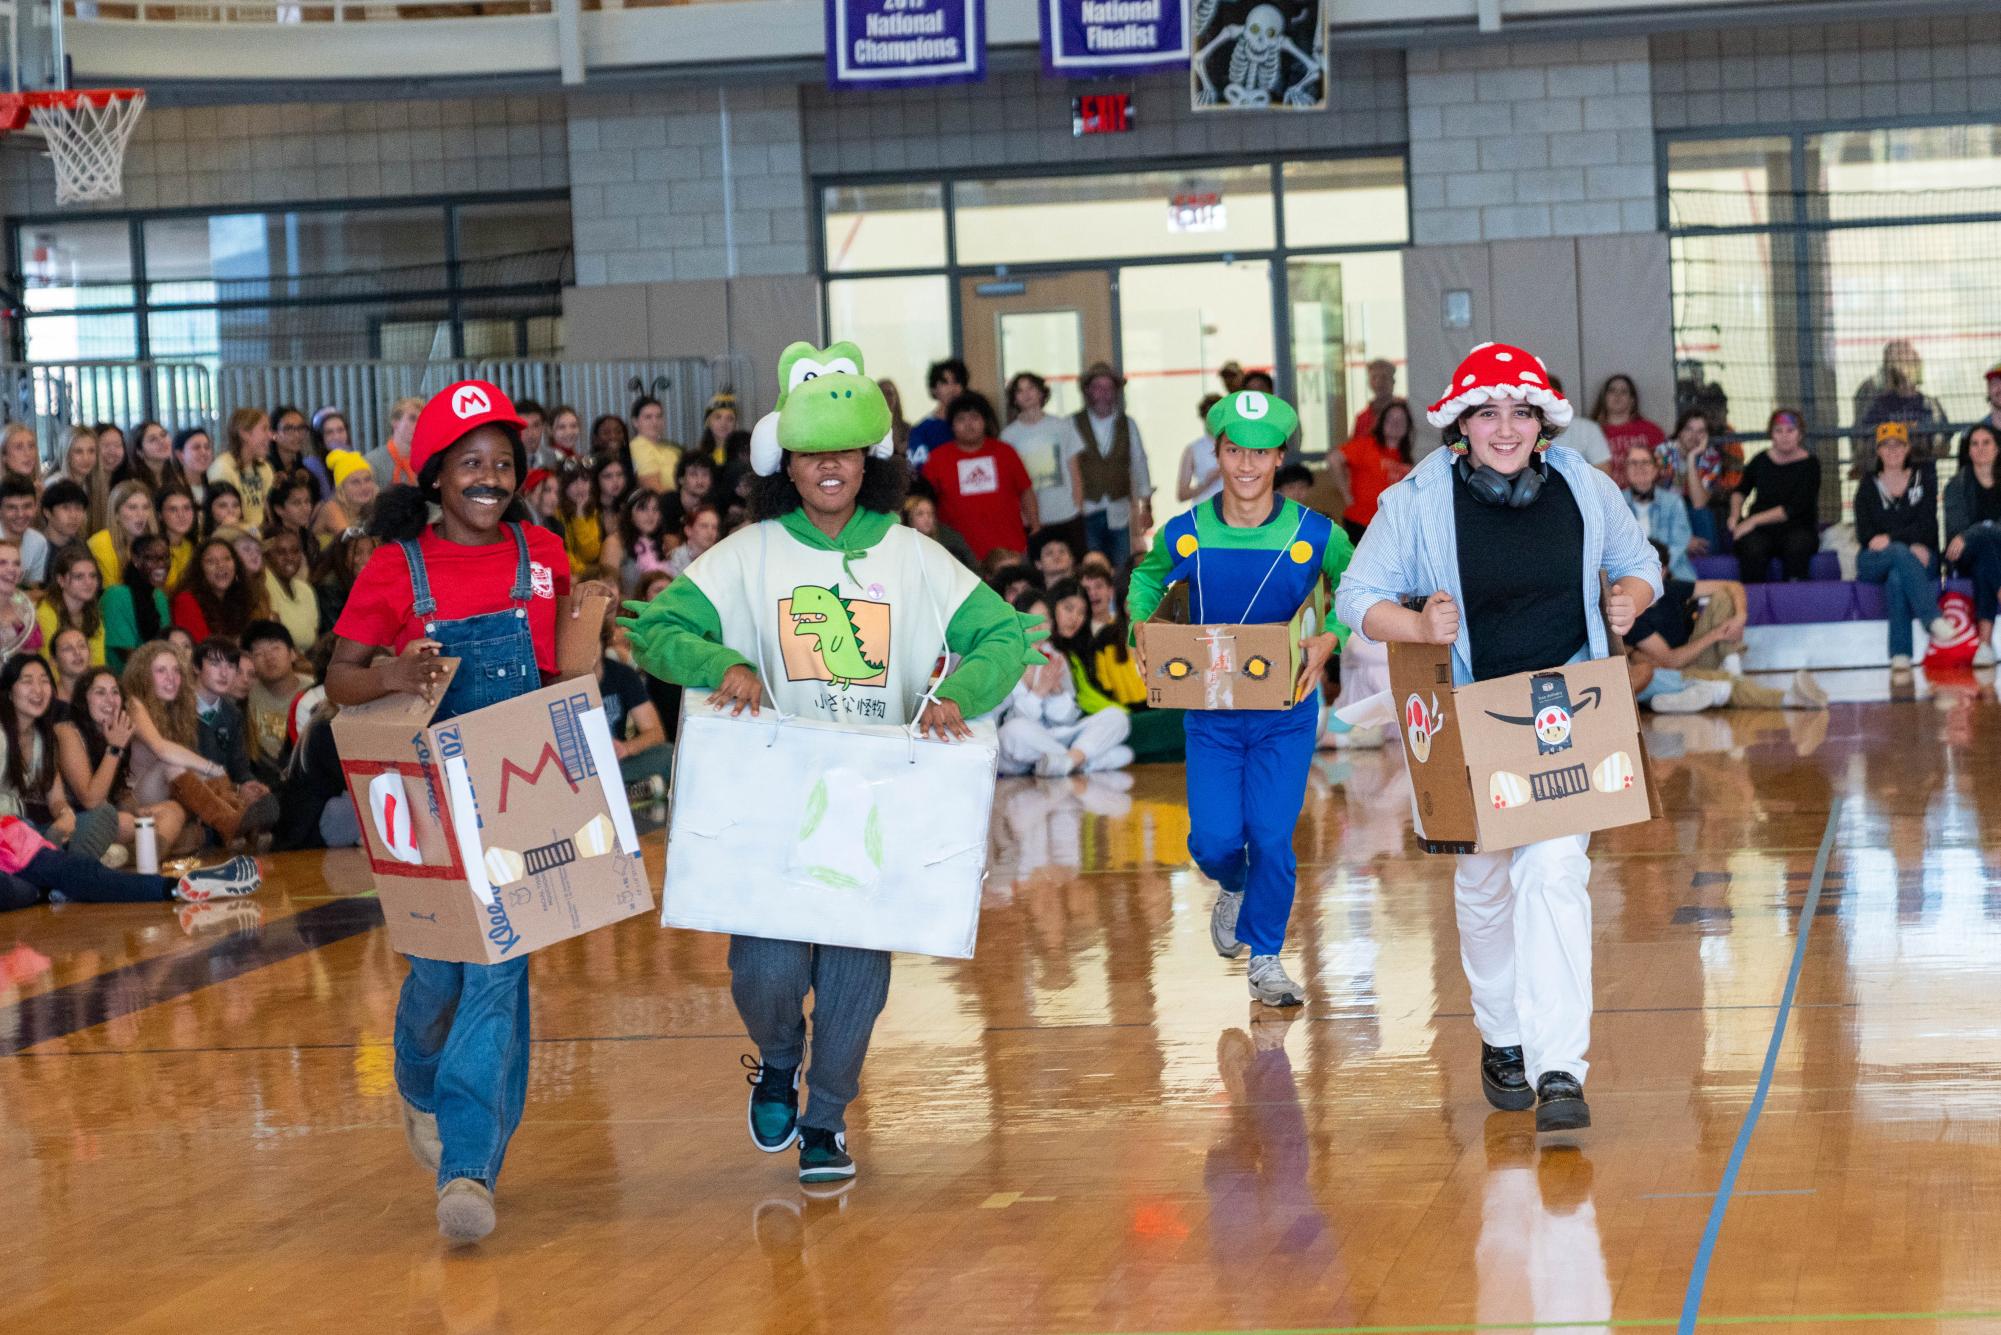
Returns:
<point x="843" y="629"/>
<point x="1247" y="768"/>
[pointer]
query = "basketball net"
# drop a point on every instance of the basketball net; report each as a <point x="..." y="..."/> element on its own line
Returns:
<point x="86" y="129"/>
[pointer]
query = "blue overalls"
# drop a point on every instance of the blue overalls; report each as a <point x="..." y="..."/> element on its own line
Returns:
<point x="1246" y="767"/>
<point x="462" y="1029"/>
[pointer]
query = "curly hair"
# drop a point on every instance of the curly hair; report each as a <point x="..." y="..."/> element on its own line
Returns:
<point x="174" y="718"/>
<point x="235" y="607"/>
<point x="884" y="482"/>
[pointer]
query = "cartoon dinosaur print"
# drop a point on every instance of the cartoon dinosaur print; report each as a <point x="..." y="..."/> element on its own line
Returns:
<point x="822" y="616"/>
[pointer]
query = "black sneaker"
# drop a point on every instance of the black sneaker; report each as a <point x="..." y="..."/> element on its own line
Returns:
<point x="774" y="1105"/>
<point x="1560" y="1104"/>
<point x="1505" y="1079"/>
<point x="823" y="1158"/>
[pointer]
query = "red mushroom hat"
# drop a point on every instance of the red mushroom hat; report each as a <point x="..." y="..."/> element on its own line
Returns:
<point x="1500" y="371"/>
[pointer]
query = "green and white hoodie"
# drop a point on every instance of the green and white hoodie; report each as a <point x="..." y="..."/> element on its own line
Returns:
<point x="848" y="629"/>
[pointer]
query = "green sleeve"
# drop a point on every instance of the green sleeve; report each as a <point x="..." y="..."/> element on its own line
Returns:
<point x="121" y="627"/>
<point x="1333" y="564"/>
<point x="992" y="648"/>
<point x="679" y="638"/>
<point x="1149" y="584"/>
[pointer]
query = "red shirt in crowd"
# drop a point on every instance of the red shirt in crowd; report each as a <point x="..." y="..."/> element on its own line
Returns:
<point x="1635" y="433"/>
<point x="979" y="494"/>
<point x="465" y="581"/>
<point x="1372" y="469"/>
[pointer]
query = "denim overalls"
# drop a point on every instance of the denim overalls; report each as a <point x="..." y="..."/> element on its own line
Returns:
<point x="462" y="1029"/>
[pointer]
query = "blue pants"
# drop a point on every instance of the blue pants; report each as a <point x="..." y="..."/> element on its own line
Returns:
<point x="1910" y="590"/>
<point x="1115" y="543"/>
<point x="1981" y="559"/>
<point x="462" y="1055"/>
<point x="1246" y="785"/>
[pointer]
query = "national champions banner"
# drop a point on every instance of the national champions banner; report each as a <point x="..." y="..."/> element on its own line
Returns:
<point x="1084" y="39"/>
<point x="905" y="43"/>
<point x="1259" y="54"/>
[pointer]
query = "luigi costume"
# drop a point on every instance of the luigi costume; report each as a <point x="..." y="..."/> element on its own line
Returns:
<point x="843" y="629"/>
<point x="1247" y="768"/>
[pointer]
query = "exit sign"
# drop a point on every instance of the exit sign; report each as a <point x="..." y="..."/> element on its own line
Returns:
<point x="1101" y="113"/>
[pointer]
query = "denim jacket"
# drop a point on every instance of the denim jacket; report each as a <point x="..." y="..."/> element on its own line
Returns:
<point x="1665" y="520"/>
<point x="1412" y="547"/>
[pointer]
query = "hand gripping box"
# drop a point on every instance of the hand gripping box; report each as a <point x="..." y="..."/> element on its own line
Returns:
<point x="500" y="831"/>
<point x="841" y="835"/>
<point x="1502" y="763"/>
<point x="1221" y="666"/>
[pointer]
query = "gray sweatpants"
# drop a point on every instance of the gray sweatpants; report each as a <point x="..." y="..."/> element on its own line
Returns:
<point x="769" y="981"/>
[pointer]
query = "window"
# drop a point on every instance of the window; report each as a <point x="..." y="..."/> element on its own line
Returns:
<point x="1346" y="202"/>
<point x="902" y="324"/>
<point x="1022" y="220"/>
<point x="899" y="226"/>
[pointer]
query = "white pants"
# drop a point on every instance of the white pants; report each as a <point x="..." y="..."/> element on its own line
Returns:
<point x="1099" y="736"/>
<point x="1525" y="943"/>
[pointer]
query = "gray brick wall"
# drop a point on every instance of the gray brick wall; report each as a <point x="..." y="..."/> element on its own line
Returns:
<point x="1519" y="139"/>
<point x="1020" y="119"/>
<point x="270" y="155"/>
<point x="1784" y="77"/>
<point x="647" y="192"/>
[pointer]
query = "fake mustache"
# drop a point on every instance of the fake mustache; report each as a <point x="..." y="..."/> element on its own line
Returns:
<point x="479" y="493"/>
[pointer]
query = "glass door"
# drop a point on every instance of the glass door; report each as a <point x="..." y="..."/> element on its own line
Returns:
<point x="1052" y="324"/>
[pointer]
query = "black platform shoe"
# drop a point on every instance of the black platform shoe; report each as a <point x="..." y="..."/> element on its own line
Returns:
<point x="1503" y="1078"/>
<point x="1560" y="1104"/>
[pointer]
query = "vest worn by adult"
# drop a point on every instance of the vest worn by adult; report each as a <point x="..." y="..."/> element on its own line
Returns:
<point x="1107" y="477"/>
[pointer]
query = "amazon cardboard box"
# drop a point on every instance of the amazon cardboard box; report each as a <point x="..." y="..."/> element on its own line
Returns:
<point x="1220" y="666"/>
<point x="501" y="831"/>
<point x="1511" y="761"/>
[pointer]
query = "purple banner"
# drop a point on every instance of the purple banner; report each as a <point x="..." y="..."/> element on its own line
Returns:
<point x="1083" y="39"/>
<point x="905" y="43"/>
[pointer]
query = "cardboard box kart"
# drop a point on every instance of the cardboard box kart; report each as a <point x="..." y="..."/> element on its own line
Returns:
<point x="1220" y="666"/>
<point x="838" y="834"/>
<point x="501" y="831"/>
<point x="1507" y="762"/>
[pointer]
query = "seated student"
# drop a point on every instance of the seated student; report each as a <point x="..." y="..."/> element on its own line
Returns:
<point x="1896" y="521"/>
<point x="72" y="601"/>
<point x="1042" y="729"/>
<point x="1692" y="636"/>
<point x="275" y="685"/>
<point x="1104" y="674"/>
<point x="1662" y="512"/>
<point x="65" y="512"/>
<point x="648" y="543"/>
<point x="135" y="609"/>
<point x="694" y="485"/>
<point x="93" y="748"/>
<point x="920" y="511"/>
<point x="32" y="869"/>
<point x="31" y="783"/>
<point x="20" y="627"/>
<point x="1775" y="509"/>
<point x="20" y="507"/>
<point x="314" y="808"/>
<point x="333" y="577"/>
<point x="1973" y="525"/>
<point x="215" y="596"/>
<point x="1012" y="580"/>
<point x="165" y="763"/>
<point x="1294" y="482"/>
<point x="1055" y="557"/>
<point x="1102" y="593"/>
<point x="221" y="509"/>
<point x="701" y="529"/>
<point x="640" y="743"/>
<point x="291" y="597"/>
<point x="69" y="655"/>
<point x="353" y="498"/>
<point x="131" y="516"/>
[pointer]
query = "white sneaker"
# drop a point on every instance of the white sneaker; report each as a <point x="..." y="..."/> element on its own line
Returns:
<point x="116" y="856"/>
<point x="1223" y="924"/>
<point x="1720" y="692"/>
<point x="1734" y="664"/>
<point x="1690" y="699"/>
<point x="1804" y="692"/>
<point x="1942" y="630"/>
<point x="1359" y="739"/>
<point x="1983" y="656"/>
<point x="238" y="876"/>
<point x="1055" y="765"/>
<point x="1270" y="985"/>
<point x="1900" y="664"/>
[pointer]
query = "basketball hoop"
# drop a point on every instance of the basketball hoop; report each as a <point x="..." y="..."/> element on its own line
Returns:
<point x="87" y="130"/>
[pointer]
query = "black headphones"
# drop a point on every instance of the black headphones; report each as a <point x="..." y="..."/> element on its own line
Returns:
<point x="1491" y="488"/>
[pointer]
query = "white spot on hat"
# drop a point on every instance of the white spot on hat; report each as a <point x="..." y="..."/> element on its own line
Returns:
<point x="470" y="401"/>
<point x="1531" y="377"/>
<point x="1252" y="405"/>
<point x="1467" y="381"/>
<point x="1504" y="356"/>
<point x="1478" y="346"/>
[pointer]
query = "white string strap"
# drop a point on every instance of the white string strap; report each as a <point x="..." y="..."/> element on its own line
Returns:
<point x="1270" y="570"/>
<point x="779" y="718"/>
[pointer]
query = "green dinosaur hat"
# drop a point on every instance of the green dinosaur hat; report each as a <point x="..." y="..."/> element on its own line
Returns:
<point x="1253" y="420"/>
<point x="826" y="403"/>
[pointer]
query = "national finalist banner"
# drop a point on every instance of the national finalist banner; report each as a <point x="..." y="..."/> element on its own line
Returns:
<point x="1259" y="55"/>
<point x="905" y="43"/>
<point x="1085" y="39"/>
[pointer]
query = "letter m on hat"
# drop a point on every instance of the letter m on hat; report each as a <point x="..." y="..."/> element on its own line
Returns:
<point x="470" y="401"/>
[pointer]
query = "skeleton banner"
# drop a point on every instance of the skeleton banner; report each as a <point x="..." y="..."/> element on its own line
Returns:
<point x="1259" y="54"/>
<point x="905" y="43"/>
<point x="1085" y="39"/>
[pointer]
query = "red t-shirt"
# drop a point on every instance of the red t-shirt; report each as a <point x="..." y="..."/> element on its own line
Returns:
<point x="1635" y="433"/>
<point x="1372" y="470"/>
<point x="465" y="582"/>
<point x="979" y="494"/>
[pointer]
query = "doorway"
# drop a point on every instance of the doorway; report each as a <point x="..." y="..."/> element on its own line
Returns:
<point x="1052" y="324"/>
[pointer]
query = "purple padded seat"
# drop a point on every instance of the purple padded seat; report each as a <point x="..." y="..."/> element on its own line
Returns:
<point x="1824" y="566"/>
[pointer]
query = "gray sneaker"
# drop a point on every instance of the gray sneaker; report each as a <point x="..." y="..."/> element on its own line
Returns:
<point x="1270" y="984"/>
<point x="1223" y="924"/>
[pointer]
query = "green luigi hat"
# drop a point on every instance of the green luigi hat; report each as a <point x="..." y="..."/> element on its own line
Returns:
<point x="1253" y="420"/>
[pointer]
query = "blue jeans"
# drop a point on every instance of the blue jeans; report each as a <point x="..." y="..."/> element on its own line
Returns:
<point x="462" y="1055"/>
<point x="1981" y="559"/>
<point x="1910" y="590"/>
<point x="1100" y="536"/>
<point x="1246" y="785"/>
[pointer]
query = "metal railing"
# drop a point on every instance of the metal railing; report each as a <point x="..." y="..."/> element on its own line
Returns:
<point x="55" y="396"/>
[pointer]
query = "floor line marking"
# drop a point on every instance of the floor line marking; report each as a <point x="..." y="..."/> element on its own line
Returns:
<point x="1704" y="1195"/>
<point x="1614" y="1323"/>
<point x="1698" y="1275"/>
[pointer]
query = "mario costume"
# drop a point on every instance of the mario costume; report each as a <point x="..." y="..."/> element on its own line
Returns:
<point x="462" y="1035"/>
<point x="1247" y="768"/>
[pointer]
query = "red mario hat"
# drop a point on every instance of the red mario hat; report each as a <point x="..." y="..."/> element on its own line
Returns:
<point x="1499" y="371"/>
<point x="452" y="412"/>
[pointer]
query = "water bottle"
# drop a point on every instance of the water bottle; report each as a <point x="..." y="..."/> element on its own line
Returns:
<point x="148" y="846"/>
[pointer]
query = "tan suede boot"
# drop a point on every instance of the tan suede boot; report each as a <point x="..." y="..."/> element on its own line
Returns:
<point x="213" y="806"/>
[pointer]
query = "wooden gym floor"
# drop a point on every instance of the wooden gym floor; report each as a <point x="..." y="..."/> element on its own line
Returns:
<point x="1089" y="1128"/>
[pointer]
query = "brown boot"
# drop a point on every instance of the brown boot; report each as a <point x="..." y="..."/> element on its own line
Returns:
<point x="213" y="802"/>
